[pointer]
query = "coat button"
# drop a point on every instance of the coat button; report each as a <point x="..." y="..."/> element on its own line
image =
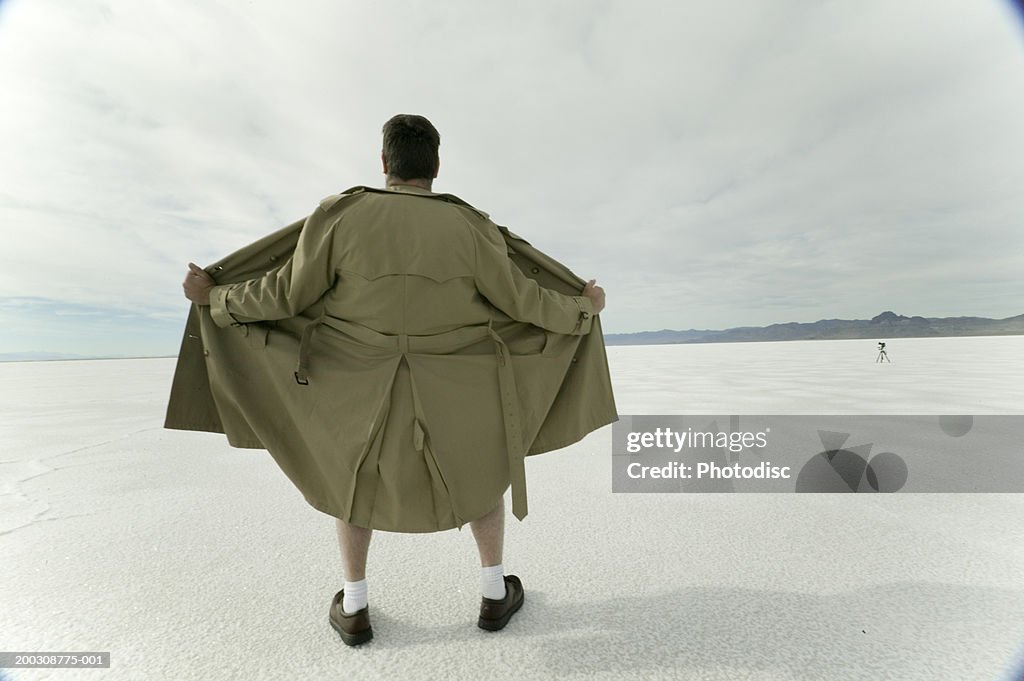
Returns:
<point x="575" y="359"/>
<point x="586" y="315"/>
<point x="535" y="270"/>
<point x="206" y="353"/>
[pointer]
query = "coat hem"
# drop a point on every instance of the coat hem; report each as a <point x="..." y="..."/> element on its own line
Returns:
<point x="206" y="427"/>
<point x="327" y="509"/>
<point x="236" y="442"/>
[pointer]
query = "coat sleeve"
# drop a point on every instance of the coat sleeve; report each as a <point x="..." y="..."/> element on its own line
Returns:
<point x="287" y="290"/>
<point x="522" y="298"/>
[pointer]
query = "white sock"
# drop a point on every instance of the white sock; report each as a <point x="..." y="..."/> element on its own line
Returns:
<point x="355" y="597"/>
<point x="492" y="582"/>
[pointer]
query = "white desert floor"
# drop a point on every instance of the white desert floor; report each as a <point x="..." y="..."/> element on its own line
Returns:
<point x="187" y="559"/>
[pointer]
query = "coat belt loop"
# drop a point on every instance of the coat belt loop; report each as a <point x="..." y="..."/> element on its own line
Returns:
<point x="403" y="343"/>
<point x="302" y="366"/>
<point x="513" y="426"/>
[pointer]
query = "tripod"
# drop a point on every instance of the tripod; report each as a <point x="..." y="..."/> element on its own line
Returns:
<point x="882" y="354"/>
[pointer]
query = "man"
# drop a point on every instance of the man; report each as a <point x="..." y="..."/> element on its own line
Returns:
<point x="412" y="293"/>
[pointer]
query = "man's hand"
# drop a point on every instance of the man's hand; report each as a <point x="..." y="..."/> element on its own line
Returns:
<point x="596" y="295"/>
<point x="197" y="285"/>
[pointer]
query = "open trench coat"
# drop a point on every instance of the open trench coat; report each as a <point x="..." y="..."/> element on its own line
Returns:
<point x="399" y="355"/>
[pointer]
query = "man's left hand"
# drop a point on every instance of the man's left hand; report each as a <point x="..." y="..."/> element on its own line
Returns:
<point x="197" y="285"/>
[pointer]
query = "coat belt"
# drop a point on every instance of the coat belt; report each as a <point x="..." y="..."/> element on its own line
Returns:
<point x="443" y="343"/>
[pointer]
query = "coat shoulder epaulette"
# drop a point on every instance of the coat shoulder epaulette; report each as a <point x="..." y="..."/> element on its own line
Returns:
<point x="329" y="202"/>
<point x="451" y="198"/>
<point x="506" y="230"/>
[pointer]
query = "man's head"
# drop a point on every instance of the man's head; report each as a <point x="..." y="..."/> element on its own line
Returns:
<point x="410" y="148"/>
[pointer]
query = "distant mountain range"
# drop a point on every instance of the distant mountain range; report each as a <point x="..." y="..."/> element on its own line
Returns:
<point x="881" y="327"/>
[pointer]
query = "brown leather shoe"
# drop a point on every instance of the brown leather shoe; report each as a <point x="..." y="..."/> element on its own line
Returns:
<point x="495" y="614"/>
<point x="354" y="628"/>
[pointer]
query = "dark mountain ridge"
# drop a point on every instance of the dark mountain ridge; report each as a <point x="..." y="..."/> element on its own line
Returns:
<point x="886" y="325"/>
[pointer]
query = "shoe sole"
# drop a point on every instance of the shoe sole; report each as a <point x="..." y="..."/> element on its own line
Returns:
<point x="351" y="639"/>
<point x="498" y="624"/>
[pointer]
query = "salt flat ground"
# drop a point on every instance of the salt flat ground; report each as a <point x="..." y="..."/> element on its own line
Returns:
<point x="187" y="559"/>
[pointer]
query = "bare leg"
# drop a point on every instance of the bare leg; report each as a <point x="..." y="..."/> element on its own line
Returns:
<point x="489" y="532"/>
<point x="355" y="544"/>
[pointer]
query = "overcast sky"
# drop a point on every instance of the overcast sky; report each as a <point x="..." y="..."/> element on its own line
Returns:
<point x="711" y="164"/>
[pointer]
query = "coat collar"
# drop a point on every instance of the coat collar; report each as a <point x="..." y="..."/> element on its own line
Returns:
<point x="408" y="188"/>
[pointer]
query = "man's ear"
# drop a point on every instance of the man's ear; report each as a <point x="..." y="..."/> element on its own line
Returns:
<point x="437" y="168"/>
<point x="384" y="162"/>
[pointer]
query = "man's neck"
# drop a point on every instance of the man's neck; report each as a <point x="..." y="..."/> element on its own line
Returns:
<point x="418" y="182"/>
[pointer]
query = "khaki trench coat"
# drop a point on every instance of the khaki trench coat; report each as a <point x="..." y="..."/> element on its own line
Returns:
<point x="399" y="355"/>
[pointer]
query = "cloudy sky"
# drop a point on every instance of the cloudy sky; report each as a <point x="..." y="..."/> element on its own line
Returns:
<point x="711" y="164"/>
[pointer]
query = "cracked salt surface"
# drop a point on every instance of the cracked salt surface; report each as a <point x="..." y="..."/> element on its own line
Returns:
<point x="187" y="559"/>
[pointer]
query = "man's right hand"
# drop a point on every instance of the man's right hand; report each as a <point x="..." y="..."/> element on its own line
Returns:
<point x="197" y="285"/>
<point x="596" y="295"/>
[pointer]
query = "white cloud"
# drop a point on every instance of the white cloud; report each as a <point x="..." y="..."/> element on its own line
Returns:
<point x="711" y="164"/>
